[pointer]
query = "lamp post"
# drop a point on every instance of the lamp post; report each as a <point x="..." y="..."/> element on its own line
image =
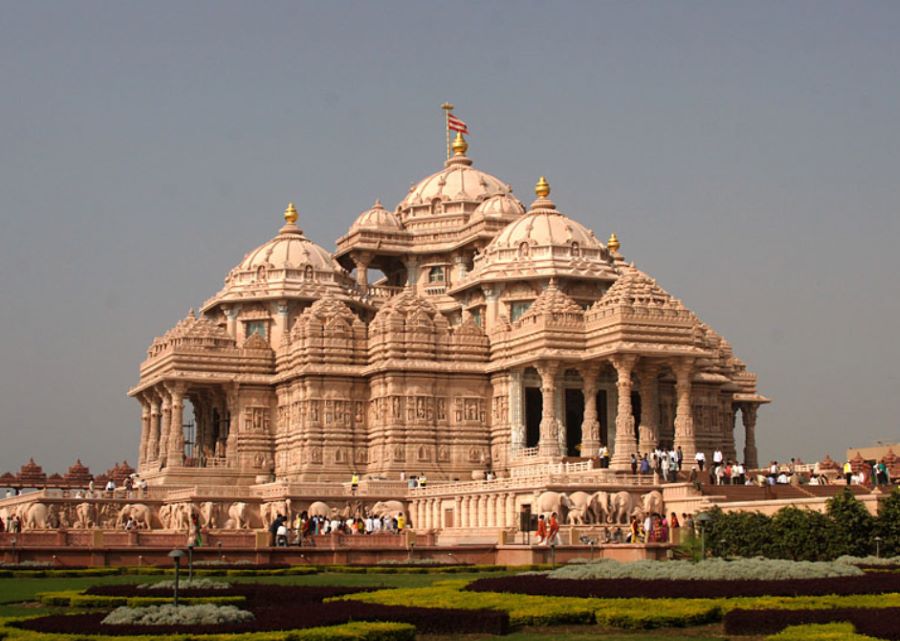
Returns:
<point x="703" y="518"/>
<point x="878" y="541"/>
<point x="177" y="555"/>
<point x="190" y="562"/>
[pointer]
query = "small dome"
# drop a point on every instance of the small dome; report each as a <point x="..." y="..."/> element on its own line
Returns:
<point x="544" y="225"/>
<point x="500" y="206"/>
<point x="458" y="181"/>
<point x="288" y="265"/>
<point x="377" y="218"/>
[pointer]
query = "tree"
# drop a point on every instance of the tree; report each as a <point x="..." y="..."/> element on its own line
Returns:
<point x="801" y="535"/>
<point x="854" y="527"/>
<point x="888" y="524"/>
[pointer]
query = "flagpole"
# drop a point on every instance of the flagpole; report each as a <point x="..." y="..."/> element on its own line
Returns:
<point x="447" y="107"/>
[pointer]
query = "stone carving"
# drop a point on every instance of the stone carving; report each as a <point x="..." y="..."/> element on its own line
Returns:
<point x="620" y="506"/>
<point x="318" y="508"/>
<point x="268" y="511"/>
<point x="39" y="516"/>
<point x="238" y="516"/>
<point x="548" y="502"/>
<point x="652" y="503"/>
<point x="210" y="514"/>
<point x="85" y="516"/>
<point x="137" y="511"/>
<point x="388" y="508"/>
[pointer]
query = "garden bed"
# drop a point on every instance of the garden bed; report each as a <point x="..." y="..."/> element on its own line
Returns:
<point x="541" y="585"/>
<point x="883" y="623"/>
<point x="278" y="607"/>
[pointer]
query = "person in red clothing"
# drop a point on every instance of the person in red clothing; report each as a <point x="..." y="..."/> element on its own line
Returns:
<point x="553" y="530"/>
<point x="541" y="530"/>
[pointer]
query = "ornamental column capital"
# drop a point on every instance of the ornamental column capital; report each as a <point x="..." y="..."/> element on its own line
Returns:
<point x="547" y="370"/>
<point x="683" y="368"/>
<point x="624" y="363"/>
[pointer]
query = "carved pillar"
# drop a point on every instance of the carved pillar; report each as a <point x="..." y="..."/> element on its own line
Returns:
<point x="175" y="445"/>
<point x="511" y="516"/>
<point x="459" y="269"/>
<point x="549" y="440"/>
<point x="590" y="426"/>
<point x="280" y="331"/>
<point x="412" y="272"/>
<point x="457" y="511"/>
<point x="473" y="511"/>
<point x="626" y="442"/>
<point x="153" y="439"/>
<point x="491" y="511"/>
<point x="436" y="515"/>
<point x="649" y="389"/>
<point x="684" y="419"/>
<point x="748" y="416"/>
<point x="165" y="427"/>
<point x="516" y="413"/>
<point x="145" y="430"/>
<point x="362" y="261"/>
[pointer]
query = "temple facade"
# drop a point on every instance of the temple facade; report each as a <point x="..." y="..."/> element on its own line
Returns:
<point x="459" y="333"/>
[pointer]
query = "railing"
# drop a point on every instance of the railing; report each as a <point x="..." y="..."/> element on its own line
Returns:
<point x="524" y="452"/>
<point x="435" y="290"/>
<point x="383" y="291"/>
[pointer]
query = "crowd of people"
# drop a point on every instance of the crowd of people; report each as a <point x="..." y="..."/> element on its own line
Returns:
<point x="305" y="527"/>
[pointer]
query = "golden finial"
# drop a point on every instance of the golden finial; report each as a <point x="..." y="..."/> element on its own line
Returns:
<point x="613" y="243"/>
<point x="290" y="214"/>
<point x="460" y="146"/>
<point x="542" y="188"/>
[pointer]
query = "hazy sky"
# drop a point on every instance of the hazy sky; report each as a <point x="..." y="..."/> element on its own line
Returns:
<point x="747" y="155"/>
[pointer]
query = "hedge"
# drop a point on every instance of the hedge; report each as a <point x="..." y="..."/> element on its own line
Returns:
<point x="883" y="623"/>
<point x="621" y="613"/>
<point x="541" y="585"/>
<point x="823" y="632"/>
<point x="347" y="632"/>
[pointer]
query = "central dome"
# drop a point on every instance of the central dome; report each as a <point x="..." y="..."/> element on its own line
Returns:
<point x="458" y="181"/>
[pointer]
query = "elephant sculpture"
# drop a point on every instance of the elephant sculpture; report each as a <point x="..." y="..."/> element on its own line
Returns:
<point x="268" y="511"/>
<point x="319" y="508"/>
<point x="579" y="508"/>
<point x="39" y="516"/>
<point x="652" y="503"/>
<point x="85" y="516"/>
<point x="388" y="508"/>
<point x="600" y="506"/>
<point x="209" y="514"/>
<point x="549" y="502"/>
<point x="620" y="506"/>
<point x="137" y="511"/>
<point x="238" y="516"/>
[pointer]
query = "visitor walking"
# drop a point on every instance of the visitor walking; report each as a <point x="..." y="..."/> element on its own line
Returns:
<point x="541" y="530"/>
<point x="553" y="530"/>
<point x="700" y="458"/>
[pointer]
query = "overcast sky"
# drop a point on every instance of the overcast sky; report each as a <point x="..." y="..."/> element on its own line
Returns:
<point x="746" y="154"/>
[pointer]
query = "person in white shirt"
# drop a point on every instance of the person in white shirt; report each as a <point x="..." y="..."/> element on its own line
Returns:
<point x="701" y="460"/>
<point x="717" y="457"/>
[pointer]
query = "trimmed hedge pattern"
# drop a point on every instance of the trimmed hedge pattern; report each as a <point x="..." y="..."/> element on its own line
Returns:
<point x="883" y="623"/>
<point x="536" y="584"/>
<point x="823" y="632"/>
<point x="356" y="631"/>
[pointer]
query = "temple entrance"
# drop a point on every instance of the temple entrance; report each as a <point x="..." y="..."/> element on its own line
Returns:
<point x="534" y="405"/>
<point x="574" y="418"/>
<point x="636" y="408"/>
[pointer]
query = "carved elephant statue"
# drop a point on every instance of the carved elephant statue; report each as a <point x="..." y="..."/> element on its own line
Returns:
<point x="388" y="508"/>
<point x="238" y="516"/>
<point x="652" y="503"/>
<point x="318" y="508"/>
<point x="549" y="502"/>
<point x="137" y="511"/>
<point x="600" y="507"/>
<point x="269" y="511"/>
<point x="85" y="516"/>
<point x="38" y="516"/>
<point x="580" y="510"/>
<point x="620" y="506"/>
<point x="209" y="514"/>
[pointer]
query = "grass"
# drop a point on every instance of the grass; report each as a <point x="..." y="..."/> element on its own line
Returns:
<point x="557" y="633"/>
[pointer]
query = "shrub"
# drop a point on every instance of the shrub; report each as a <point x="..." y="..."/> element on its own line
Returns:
<point x="885" y="622"/>
<point x="819" y="632"/>
<point x="854" y="527"/>
<point x="709" y="569"/>
<point x="178" y="615"/>
<point x="878" y="583"/>
<point x="888" y="524"/>
<point x="193" y="584"/>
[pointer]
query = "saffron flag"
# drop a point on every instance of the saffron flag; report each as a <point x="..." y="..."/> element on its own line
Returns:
<point x="456" y="124"/>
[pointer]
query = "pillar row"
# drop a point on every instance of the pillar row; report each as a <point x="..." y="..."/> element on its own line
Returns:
<point x="626" y="441"/>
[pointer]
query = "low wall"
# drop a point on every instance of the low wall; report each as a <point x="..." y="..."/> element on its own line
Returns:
<point x="99" y="548"/>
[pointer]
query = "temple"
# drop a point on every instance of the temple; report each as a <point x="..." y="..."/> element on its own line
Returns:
<point x="458" y="334"/>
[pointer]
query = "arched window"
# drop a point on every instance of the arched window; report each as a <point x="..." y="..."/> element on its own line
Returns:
<point x="524" y="249"/>
<point x="261" y="272"/>
<point x="576" y="250"/>
<point x="308" y="273"/>
<point x="437" y="207"/>
<point x="436" y="275"/>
